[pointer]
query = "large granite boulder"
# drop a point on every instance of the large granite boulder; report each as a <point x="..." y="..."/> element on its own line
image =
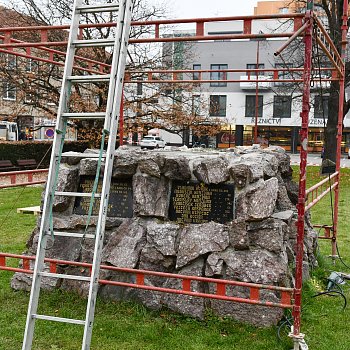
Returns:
<point x="151" y="196"/>
<point x="258" y="201"/>
<point x="211" y="171"/>
<point x="248" y="237"/>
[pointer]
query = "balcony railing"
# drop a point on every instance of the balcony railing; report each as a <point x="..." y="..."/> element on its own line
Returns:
<point x="249" y="82"/>
<point x="316" y="83"/>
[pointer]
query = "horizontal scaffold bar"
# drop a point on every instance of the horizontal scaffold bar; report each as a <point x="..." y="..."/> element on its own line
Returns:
<point x="294" y="16"/>
<point x="220" y="285"/>
<point x="22" y="178"/>
<point x="283" y="75"/>
<point x="198" y="22"/>
<point x="315" y="193"/>
<point x="92" y="66"/>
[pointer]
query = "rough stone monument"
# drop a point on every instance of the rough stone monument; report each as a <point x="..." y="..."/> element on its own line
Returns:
<point x="228" y="214"/>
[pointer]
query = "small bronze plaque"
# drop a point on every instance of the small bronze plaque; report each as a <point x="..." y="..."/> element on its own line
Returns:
<point x="120" y="198"/>
<point x="197" y="203"/>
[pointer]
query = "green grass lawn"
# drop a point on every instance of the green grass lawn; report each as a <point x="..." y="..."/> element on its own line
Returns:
<point x="129" y="326"/>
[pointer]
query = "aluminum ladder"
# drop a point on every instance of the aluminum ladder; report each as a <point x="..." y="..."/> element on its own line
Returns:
<point x="118" y="44"/>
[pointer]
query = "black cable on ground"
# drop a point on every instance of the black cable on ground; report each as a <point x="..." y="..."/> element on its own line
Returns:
<point x="332" y="293"/>
<point x="288" y="322"/>
<point x="332" y="211"/>
<point x="340" y="258"/>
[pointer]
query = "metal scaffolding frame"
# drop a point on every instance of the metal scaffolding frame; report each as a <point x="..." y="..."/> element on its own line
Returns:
<point x="303" y="25"/>
<point x="138" y="282"/>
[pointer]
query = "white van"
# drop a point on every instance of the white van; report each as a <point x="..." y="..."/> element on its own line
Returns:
<point x="8" y="131"/>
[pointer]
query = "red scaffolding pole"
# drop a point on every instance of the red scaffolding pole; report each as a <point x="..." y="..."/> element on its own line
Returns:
<point x="220" y="286"/>
<point x="344" y="29"/>
<point x="302" y="177"/>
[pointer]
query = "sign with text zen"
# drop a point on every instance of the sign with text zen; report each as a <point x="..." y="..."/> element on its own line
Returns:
<point x="197" y="203"/>
<point x="120" y="198"/>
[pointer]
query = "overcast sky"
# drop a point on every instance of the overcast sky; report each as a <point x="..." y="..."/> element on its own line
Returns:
<point x="199" y="8"/>
<point x="208" y="8"/>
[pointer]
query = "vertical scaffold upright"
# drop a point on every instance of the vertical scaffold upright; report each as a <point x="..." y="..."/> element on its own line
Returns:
<point x="298" y="338"/>
<point x="339" y="62"/>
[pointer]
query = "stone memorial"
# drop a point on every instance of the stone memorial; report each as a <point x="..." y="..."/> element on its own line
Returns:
<point x="229" y="214"/>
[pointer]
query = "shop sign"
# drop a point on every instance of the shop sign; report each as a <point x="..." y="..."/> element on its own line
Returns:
<point x="267" y="121"/>
<point x="317" y="122"/>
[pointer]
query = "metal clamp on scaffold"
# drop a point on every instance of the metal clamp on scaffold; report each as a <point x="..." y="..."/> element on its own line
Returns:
<point x="299" y="341"/>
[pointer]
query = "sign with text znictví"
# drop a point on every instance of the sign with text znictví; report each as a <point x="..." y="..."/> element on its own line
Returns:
<point x="197" y="203"/>
<point x="120" y="198"/>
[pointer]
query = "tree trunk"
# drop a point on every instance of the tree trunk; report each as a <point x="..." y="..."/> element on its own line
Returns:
<point x="330" y="144"/>
<point x="186" y="136"/>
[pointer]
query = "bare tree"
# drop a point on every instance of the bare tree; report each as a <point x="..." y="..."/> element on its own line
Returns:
<point x="40" y="84"/>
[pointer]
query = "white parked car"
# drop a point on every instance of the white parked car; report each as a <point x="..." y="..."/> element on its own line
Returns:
<point x="152" y="142"/>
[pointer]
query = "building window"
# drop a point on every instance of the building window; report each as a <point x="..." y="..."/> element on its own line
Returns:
<point x="8" y="92"/>
<point x="31" y="66"/>
<point x="254" y="66"/>
<point x="250" y="106"/>
<point x="197" y="75"/>
<point x="321" y="109"/>
<point x="325" y="72"/>
<point x="168" y="90"/>
<point x="153" y="100"/>
<point x="285" y="73"/>
<point x="10" y="62"/>
<point x="282" y="106"/>
<point x="139" y="89"/>
<point x="217" y="106"/>
<point x="29" y="97"/>
<point x="218" y="75"/>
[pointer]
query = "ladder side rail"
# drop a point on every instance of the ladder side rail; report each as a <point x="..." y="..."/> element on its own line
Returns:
<point x="111" y="124"/>
<point x="44" y="226"/>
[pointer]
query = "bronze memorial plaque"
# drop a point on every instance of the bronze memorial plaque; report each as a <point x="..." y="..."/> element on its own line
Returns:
<point x="120" y="198"/>
<point x="197" y="203"/>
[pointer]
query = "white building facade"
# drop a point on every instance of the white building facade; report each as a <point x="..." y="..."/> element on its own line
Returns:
<point x="279" y="104"/>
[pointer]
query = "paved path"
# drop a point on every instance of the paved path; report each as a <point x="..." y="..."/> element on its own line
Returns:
<point x="315" y="159"/>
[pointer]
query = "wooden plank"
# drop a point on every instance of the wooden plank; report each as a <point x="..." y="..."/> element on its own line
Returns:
<point x="29" y="210"/>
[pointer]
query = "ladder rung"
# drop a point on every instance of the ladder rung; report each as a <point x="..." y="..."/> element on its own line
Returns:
<point x="67" y="277"/>
<point x="73" y="234"/>
<point x="76" y="194"/>
<point x="88" y="78"/>
<point x="82" y="155"/>
<point x="98" y="8"/>
<point x="82" y="115"/>
<point x="93" y="42"/>
<point x="58" y="319"/>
